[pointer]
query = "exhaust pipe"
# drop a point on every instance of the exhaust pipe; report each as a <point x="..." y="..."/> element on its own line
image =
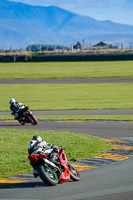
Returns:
<point x="51" y="164"/>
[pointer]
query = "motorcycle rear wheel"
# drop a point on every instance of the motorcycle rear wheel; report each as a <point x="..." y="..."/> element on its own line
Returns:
<point x="47" y="175"/>
<point x="21" y="122"/>
<point x="74" y="174"/>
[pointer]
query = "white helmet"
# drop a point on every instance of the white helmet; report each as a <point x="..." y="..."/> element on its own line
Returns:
<point x="37" y="138"/>
<point x="12" y="101"/>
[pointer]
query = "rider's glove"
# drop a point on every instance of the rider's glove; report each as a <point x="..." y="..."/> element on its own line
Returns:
<point x="55" y="148"/>
<point x="60" y="148"/>
<point x="26" y="108"/>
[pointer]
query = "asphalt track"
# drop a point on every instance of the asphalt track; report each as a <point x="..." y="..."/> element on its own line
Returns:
<point x="109" y="181"/>
<point x="67" y="80"/>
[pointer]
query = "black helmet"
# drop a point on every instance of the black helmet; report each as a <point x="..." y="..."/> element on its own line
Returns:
<point x="37" y="138"/>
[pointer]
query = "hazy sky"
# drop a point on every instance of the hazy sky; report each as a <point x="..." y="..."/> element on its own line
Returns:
<point x="120" y="11"/>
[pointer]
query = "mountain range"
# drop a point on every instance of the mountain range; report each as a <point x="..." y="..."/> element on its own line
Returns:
<point x="22" y="25"/>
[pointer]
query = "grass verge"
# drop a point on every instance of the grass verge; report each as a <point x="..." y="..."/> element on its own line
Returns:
<point x="14" y="145"/>
<point x="77" y="117"/>
<point x="87" y="117"/>
<point x="69" y="96"/>
<point x="38" y="70"/>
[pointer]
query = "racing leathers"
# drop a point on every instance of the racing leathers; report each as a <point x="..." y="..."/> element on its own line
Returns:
<point x="36" y="147"/>
<point x="16" y="108"/>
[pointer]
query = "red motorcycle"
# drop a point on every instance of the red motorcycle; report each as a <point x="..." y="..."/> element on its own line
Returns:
<point x="26" y="116"/>
<point x="52" y="173"/>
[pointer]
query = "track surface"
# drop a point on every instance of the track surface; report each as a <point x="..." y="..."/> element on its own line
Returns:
<point x="67" y="81"/>
<point x="109" y="182"/>
<point x="107" y="129"/>
<point x="80" y="112"/>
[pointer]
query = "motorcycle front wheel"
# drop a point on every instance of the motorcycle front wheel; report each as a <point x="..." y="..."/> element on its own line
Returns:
<point x="32" y="119"/>
<point x="47" y="175"/>
<point x="74" y="174"/>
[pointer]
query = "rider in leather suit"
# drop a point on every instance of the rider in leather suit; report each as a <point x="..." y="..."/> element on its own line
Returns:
<point x="16" y="108"/>
<point x="37" y="145"/>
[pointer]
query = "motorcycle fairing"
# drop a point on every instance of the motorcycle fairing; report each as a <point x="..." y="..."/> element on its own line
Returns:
<point x="35" y="157"/>
<point x="65" y="175"/>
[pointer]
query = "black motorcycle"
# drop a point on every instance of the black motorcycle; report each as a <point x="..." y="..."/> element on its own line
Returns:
<point x="26" y="116"/>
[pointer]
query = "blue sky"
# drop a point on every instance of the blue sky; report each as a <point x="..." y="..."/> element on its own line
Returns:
<point x="120" y="11"/>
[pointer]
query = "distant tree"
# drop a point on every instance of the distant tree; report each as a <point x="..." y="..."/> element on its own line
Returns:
<point x="77" y="46"/>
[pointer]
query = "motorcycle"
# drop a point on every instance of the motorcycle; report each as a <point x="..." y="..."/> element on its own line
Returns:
<point x="26" y="116"/>
<point x="53" y="172"/>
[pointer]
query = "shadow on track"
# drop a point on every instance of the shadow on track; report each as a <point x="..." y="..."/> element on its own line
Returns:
<point x="30" y="184"/>
<point x="9" y="125"/>
<point x="23" y="185"/>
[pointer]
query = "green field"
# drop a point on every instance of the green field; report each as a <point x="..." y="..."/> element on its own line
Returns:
<point x="37" y="70"/>
<point x="77" y="117"/>
<point x="14" y="145"/>
<point x="86" y="117"/>
<point x="69" y="96"/>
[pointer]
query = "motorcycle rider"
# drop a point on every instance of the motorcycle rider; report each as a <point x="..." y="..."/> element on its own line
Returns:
<point x="37" y="145"/>
<point x="16" y="108"/>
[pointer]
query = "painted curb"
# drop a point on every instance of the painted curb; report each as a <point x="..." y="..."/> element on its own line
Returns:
<point x="121" y="150"/>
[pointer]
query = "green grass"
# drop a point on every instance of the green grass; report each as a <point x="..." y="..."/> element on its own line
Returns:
<point x="37" y="70"/>
<point x="14" y="145"/>
<point x="86" y="117"/>
<point x="69" y="96"/>
<point x="77" y="117"/>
